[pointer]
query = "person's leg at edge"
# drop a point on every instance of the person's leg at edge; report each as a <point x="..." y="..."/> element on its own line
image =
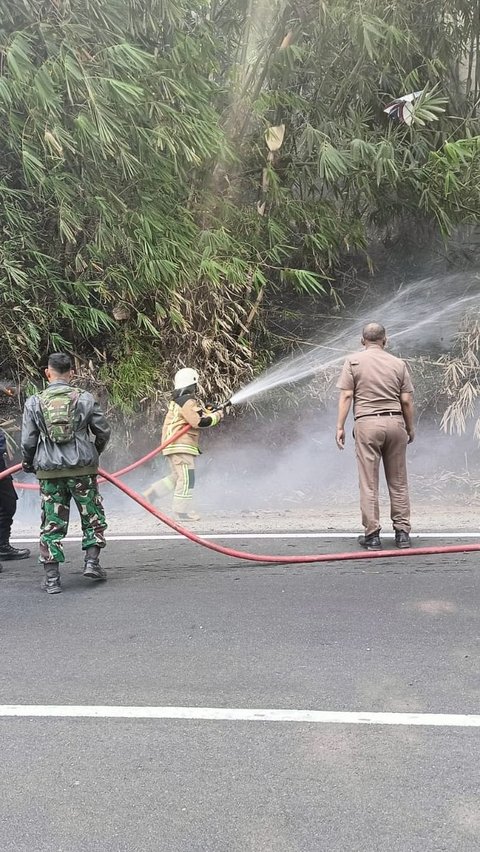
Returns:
<point x="369" y="438"/>
<point x="8" y="507"/>
<point x="55" y="513"/>
<point x="84" y="490"/>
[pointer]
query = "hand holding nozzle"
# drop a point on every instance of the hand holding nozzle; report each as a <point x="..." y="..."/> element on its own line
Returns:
<point x="226" y="407"/>
<point x="221" y="409"/>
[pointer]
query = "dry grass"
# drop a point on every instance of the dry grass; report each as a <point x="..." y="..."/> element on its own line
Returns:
<point x="461" y="379"/>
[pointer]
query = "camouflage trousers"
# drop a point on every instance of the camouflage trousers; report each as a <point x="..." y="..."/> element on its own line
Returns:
<point x="56" y="496"/>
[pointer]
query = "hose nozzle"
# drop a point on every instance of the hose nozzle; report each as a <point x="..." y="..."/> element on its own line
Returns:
<point x="222" y="406"/>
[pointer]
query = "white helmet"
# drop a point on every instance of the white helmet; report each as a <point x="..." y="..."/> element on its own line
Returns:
<point x="185" y="377"/>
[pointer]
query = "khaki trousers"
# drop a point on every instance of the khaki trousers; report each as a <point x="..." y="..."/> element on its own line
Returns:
<point x="382" y="439"/>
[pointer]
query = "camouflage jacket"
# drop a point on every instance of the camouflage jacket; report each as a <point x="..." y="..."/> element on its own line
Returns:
<point x="77" y="457"/>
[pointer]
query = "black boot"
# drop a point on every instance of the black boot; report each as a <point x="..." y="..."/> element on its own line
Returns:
<point x="92" y="568"/>
<point x="402" y="539"/>
<point x="51" y="583"/>
<point x="9" y="552"/>
<point x="370" y="542"/>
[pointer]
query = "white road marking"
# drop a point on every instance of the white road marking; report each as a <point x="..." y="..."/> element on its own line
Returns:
<point x="279" y="536"/>
<point x="226" y="714"/>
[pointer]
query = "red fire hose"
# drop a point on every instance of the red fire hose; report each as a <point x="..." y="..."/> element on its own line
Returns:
<point x="32" y="486"/>
<point x="256" y="557"/>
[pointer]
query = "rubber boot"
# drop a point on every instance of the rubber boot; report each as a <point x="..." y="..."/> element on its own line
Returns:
<point x="93" y="570"/>
<point x="51" y="583"/>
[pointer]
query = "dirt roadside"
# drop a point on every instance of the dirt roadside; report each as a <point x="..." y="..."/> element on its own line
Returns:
<point x="341" y="515"/>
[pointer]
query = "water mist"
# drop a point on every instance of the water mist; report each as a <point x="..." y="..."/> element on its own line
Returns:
<point x="419" y="318"/>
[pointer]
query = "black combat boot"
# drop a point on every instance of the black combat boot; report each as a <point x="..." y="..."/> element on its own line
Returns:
<point x="92" y="568"/>
<point x="51" y="583"/>
<point x="9" y="552"/>
<point x="370" y="542"/>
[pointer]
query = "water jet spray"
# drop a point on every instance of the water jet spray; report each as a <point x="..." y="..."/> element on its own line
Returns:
<point x="427" y="312"/>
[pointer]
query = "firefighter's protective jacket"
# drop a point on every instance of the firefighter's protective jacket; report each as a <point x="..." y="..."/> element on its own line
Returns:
<point x="185" y="408"/>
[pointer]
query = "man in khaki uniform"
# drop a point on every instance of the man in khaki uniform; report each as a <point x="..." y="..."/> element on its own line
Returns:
<point x="382" y="392"/>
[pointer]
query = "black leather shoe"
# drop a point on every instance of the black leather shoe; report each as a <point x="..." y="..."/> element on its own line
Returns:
<point x="9" y="552"/>
<point x="370" y="542"/>
<point x="402" y="539"/>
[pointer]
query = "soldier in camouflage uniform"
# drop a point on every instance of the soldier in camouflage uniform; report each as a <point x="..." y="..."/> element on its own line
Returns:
<point x="57" y="431"/>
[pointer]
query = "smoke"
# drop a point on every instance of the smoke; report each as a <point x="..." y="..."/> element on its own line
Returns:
<point x="288" y="461"/>
<point x="289" y="473"/>
<point x="304" y="470"/>
<point x="280" y="461"/>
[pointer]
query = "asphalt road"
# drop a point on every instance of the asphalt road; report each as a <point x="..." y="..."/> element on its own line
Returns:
<point x="177" y="625"/>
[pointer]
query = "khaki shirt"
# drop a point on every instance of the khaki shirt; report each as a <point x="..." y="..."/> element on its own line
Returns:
<point x="377" y="379"/>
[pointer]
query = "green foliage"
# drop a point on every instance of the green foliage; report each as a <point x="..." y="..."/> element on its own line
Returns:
<point x="145" y="221"/>
<point x="132" y="374"/>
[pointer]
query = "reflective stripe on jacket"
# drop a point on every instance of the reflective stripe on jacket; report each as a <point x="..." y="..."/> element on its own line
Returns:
<point x="176" y="418"/>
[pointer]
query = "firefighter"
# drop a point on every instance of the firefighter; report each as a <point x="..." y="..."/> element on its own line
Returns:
<point x="183" y="408"/>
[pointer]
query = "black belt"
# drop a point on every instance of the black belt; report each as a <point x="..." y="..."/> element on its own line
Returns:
<point x="381" y="414"/>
